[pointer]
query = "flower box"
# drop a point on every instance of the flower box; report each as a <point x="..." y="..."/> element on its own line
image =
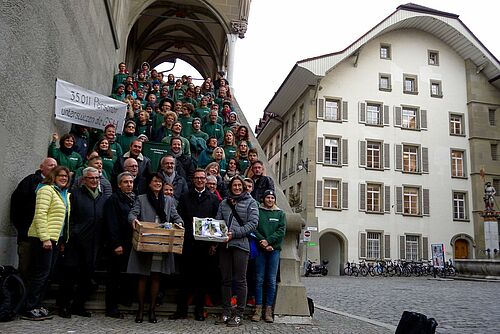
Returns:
<point x="154" y="238"/>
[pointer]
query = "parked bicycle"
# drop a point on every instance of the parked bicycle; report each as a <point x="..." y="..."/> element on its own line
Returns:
<point x="351" y="269"/>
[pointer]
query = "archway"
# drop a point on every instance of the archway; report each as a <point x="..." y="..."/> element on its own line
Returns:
<point x="332" y="247"/>
<point x="462" y="246"/>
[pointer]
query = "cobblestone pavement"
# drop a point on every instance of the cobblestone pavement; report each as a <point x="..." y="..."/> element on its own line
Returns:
<point x="323" y="323"/>
<point x="457" y="306"/>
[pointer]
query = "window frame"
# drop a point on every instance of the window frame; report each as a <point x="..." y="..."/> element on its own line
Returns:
<point x="492" y="116"/>
<point x="415" y="115"/>
<point x="439" y="92"/>
<point x="371" y="207"/>
<point x="388" y="53"/>
<point x="454" y="165"/>
<point x="414" y="79"/>
<point x="338" y="151"/>
<point x="452" y="124"/>
<point x="336" y="182"/>
<point x="412" y="246"/>
<point x="371" y="150"/>
<point x="416" y="196"/>
<point x="457" y="203"/>
<point x="389" y="82"/>
<point x="416" y="154"/>
<point x="380" y="120"/>
<point x="339" y="110"/>
<point x="374" y="242"/>
<point x="433" y="54"/>
<point x="494" y="151"/>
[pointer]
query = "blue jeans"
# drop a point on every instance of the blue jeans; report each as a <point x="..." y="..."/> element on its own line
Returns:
<point x="266" y="269"/>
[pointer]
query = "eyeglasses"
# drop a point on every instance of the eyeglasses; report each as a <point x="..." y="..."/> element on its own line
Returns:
<point x="92" y="177"/>
<point x="131" y="126"/>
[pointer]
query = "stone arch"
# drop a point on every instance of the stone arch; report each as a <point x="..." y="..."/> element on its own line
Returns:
<point x="333" y="247"/>
<point x="458" y="241"/>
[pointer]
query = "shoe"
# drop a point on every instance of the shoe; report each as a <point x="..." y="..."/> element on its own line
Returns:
<point x="268" y="315"/>
<point x="199" y="315"/>
<point x="257" y="315"/>
<point x="251" y="301"/>
<point x="152" y="317"/>
<point x="81" y="312"/>
<point x="114" y="314"/>
<point x="177" y="316"/>
<point x="222" y="319"/>
<point x="33" y="315"/>
<point x="234" y="301"/>
<point x="234" y="321"/>
<point x="45" y="313"/>
<point x="139" y="317"/>
<point x="64" y="312"/>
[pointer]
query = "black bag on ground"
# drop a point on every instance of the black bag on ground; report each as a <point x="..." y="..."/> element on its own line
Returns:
<point x="12" y="293"/>
<point x="416" y="323"/>
<point x="310" y="304"/>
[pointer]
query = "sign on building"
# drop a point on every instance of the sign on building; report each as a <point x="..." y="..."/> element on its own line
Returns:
<point x="78" y="105"/>
<point x="438" y="255"/>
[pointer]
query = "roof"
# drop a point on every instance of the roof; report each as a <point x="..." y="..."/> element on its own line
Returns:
<point x="445" y="26"/>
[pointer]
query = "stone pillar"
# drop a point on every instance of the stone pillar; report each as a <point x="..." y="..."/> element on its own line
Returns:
<point x="491" y="235"/>
<point x="231" y="47"/>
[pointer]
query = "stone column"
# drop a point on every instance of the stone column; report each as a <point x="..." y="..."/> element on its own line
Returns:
<point x="231" y="47"/>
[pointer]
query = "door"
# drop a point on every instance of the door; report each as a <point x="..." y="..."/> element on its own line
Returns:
<point x="461" y="249"/>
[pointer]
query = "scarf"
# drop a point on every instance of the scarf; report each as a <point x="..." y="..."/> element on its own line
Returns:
<point x="158" y="204"/>
<point x="169" y="179"/>
<point x="65" y="150"/>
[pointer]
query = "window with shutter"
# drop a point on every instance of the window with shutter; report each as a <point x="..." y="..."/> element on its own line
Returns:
<point x="331" y="194"/>
<point x="373" y="197"/>
<point x="319" y="193"/>
<point x="423" y="119"/>
<point x="387" y="246"/>
<point x="362" y="112"/>
<point x="425" y="248"/>
<point x="362" y="197"/>
<point x="332" y="110"/>
<point x="402" y="247"/>
<point x="425" y="160"/>
<point x="411" y="201"/>
<point x="373" y="245"/>
<point x="362" y="245"/>
<point x="320" y="156"/>
<point x="386" y="115"/>
<point x="345" y="195"/>
<point x="387" y="156"/>
<point x="345" y="113"/>
<point x="387" y="199"/>
<point x="332" y="148"/>
<point x="426" y="202"/>
<point x="362" y="153"/>
<point x="374" y="155"/>
<point x="321" y="108"/>
<point x="398" y="156"/>
<point x="344" y="152"/>
<point x="399" y="199"/>
<point x="397" y="116"/>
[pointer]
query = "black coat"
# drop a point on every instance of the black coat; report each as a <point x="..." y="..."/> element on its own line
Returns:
<point x="22" y="204"/>
<point x="118" y="230"/>
<point x="192" y="204"/>
<point x="262" y="184"/>
<point x="86" y="218"/>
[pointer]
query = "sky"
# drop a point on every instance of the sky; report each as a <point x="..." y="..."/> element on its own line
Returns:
<point x="282" y="32"/>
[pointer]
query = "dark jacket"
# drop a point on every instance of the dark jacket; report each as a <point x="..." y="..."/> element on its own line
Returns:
<point x="22" y="204"/>
<point x="86" y="215"/>
<point x="118" y="230"/>
<point x="180" y="185"/>
<point x="248" y="211"/>
<point x="192" y="204"/>
<point x="261" y="184"/>
<point x="185" y="167"/>
<point x="144" y="163"/>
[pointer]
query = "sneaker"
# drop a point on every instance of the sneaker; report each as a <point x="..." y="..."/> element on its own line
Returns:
<point x="45" y="313"/>
<point x="33" y="315"/>
<point x="222" y="319"/>
<point x="251" y="301"/>
<point x="234" y="321"/>
<point x="234" y="301"/>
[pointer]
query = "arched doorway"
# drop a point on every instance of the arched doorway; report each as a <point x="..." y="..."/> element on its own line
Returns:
<point x="462" y="246"/>
<point x="332" y="245"/>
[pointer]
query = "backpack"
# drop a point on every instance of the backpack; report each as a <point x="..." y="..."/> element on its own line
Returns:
<point x="416" y="323"/>
<point x="12" y="293"/>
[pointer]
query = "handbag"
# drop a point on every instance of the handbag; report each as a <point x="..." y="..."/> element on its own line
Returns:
<point x="252" y="240"/>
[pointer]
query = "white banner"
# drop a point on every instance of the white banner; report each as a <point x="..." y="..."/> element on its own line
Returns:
<point x="78" y="105"/>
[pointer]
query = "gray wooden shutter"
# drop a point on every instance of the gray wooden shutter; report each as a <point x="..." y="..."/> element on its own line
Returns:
<point x="345" y="157"/>
<point x="362" y="153"/>
<point x="399" y="156"/>
<point x="321" y="155"/>
<point x="362" y="112"/>
<point x="387" y="156"/>
<point x="362" y="197"/>
<point x="345" y="113"/>
<point x="397" y="116"/>
<point x="345" y="195"/>
<point x="319" y="193"/>
<point x="426" y="203"/>
<point x="399" y="199"/>
<point x="386" y="115"/>
<point x="387" y="199"/>
<point x="425" y="160"/>
<point x="387" y="246"/>
<point x="402" y="247"/>
<point x="419" y="249"/>
<point x="425" y="248"/>
<point x="321" y="108"/>
<point x="423" y="119"/>
<point x="362" y="245"/>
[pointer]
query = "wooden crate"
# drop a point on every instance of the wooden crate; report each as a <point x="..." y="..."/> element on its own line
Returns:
<point x="152" y="238"/>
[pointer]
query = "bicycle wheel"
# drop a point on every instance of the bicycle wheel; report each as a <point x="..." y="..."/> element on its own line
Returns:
<point x="355" y="272"/>
<point x="371" y="271"/>
<point x="364" y="271"/>
<point x="347" y="271"/>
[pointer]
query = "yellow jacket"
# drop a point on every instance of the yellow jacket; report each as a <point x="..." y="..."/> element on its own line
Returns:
<point x="50" y="214"/>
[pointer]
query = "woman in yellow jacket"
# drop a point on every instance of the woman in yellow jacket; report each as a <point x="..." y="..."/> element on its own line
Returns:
<point x="50" y="224"/>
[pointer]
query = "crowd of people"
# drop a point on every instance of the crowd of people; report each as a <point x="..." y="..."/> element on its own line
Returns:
<point x="91" y="191"/>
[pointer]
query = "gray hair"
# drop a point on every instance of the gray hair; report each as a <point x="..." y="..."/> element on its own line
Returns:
<point x="211" y="178"/>
<point x="89" y="170"/>
<point x="122" y="175"/>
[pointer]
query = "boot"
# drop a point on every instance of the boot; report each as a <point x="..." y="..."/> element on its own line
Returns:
<point x="268" y="316"/>
<point x="257" y="313"/>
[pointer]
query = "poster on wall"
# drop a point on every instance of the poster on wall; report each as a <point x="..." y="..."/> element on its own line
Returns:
<point x="438" y="255"/>
<point x="78" y="105"/>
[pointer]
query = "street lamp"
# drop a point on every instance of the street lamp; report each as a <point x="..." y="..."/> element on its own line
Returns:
<point x="301" y="164"/>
